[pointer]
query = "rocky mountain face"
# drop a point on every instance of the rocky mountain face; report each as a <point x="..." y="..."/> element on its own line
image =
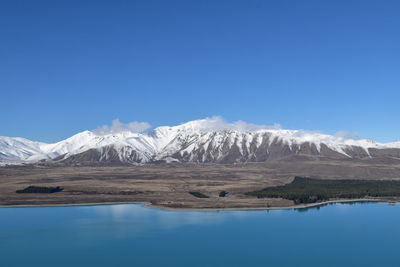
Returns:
<point x="193" y="142"/>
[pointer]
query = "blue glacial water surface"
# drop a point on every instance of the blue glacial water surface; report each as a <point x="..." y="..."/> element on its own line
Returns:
<point x="134" y="235"/>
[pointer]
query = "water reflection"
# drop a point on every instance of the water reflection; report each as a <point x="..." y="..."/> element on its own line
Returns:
<point x="164" y="218"/>
<point x="337" y="204"/>
<point x="124" y="221"/>
<point x="135" y="219"/>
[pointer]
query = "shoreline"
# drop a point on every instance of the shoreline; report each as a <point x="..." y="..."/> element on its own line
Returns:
<point x="149" y="205"/>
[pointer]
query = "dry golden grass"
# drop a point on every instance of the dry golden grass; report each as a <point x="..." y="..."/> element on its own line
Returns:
<point x="168" y="185"/>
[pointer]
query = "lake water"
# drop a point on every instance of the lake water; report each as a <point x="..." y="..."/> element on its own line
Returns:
<point x="134" y="235"/>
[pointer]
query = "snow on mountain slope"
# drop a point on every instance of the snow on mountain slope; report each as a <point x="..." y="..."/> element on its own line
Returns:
<point x="87" y="140"/>
<point x="18" y="148"/>
<point x="393" y="145"/>
<point x="206" y="140"/>
<point x="201" y="135"/>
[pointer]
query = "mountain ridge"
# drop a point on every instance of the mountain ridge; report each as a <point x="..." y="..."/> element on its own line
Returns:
<point x="199" y="141"/>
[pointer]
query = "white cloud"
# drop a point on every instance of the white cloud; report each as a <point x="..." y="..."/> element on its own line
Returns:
<point x="347" y="135"/>
<point x="217" y="123"/>
<point x="117" y="127"/>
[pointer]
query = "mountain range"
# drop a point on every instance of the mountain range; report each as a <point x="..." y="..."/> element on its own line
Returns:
<point x="196" y="141"/>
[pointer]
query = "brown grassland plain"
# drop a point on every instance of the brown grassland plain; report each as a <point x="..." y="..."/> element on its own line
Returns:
<point x="168" y="185"/>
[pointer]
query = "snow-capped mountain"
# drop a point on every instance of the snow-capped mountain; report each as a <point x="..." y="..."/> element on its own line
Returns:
<point x="203" y="141"/>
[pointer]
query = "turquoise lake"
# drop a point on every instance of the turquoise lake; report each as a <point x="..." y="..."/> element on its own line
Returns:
<point x="361" y="234"/>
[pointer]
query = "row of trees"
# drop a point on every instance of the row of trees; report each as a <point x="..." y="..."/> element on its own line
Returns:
<point x="306" y="190"/>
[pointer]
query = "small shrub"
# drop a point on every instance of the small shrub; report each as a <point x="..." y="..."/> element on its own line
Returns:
<point x="40" y="190"/>
<point x="223" y="194"/>
<point x="198" y="195"/>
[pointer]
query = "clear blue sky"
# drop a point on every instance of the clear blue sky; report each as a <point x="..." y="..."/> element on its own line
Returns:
<point x="67" y="66"/>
